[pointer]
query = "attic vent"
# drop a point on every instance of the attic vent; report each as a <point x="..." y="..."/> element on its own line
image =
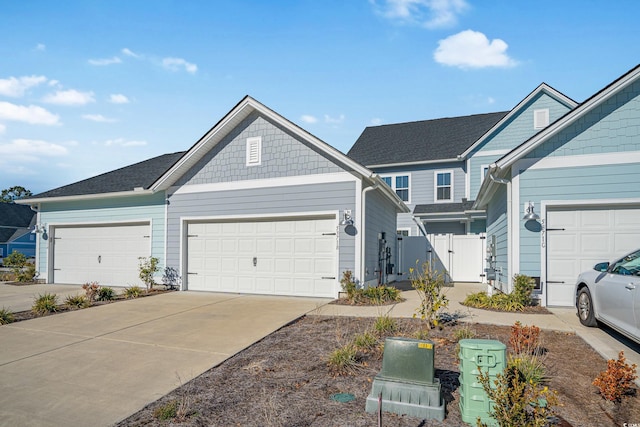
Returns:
<point x="540" y="118"/>
<point x="254" y="151"/>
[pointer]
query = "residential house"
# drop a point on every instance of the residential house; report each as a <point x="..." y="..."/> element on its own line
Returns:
<point x="15" y="230"/>
<point x="257" y="205"/>
<point x="437" y="167"/>
<point x="569" y="196"/>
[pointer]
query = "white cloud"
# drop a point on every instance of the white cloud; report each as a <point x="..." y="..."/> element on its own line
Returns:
<point x="128" y="52"/>
<point x="98" y="118"/>
<point x="334" y="120"/>
<point x="31" y="149"/>
<point x="118" y="98"/>
<point x="121" y="142"/>
<point x="428" y="13"/>
<point x="306" y="118"/>
<point x="16" y="87"/>
<point x="41" y="47"/>
<point x="69" y="97"/>
<point x="32" y="114"/>
<point x="3" y="128"/>
<point x="472" y="49"/>
<point x="105" y="61"/>
<point x="54" y="83"/>
<point x="376" y="121"/>
<point x="176" y="64"/>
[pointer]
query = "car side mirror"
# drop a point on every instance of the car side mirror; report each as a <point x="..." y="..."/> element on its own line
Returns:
<point x="601" y="266"/>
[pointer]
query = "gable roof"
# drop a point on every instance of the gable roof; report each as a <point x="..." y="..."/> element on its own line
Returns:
<point x="543" y="88"/>
<point x="422" y="141"/>
<point x="124" y="180"/>
<point x="498" y="170"/>
<point x="12" y="218"/>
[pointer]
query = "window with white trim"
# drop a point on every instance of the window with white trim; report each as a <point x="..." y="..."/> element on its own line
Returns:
<point x="403" y="232"/>
<point x="540" y="118"/>
<point x="443" y="183"/>
<point x="400" y="184"/>
<point x="254" y="151"/>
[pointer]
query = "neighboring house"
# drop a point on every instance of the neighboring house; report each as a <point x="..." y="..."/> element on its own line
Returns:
<point x="582" y="177"/>
<point x="15" y="235"/>
<point x="257" y="205"/>
<point x="437" y="167"/>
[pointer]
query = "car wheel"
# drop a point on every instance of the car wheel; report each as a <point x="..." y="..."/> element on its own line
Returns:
<point x="585" y="308"/>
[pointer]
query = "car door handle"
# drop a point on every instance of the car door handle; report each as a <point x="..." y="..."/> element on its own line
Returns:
<point x="630" y="286"/>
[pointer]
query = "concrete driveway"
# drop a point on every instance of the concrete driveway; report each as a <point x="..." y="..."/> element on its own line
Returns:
<point x="99" y="365"/>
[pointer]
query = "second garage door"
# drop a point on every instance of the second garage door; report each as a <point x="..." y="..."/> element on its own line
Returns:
<point x="578" y="238"/>
<point x="281" y="257"/>
<point x="107" y="254"/>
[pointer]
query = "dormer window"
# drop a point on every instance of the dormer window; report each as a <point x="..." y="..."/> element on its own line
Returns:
<point x="254" y="151"/>
<point x="540" y="118"/>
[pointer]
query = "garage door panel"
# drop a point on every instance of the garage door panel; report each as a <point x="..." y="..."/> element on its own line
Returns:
<point x="291" y="254"/>
<point x="590" y="235"/>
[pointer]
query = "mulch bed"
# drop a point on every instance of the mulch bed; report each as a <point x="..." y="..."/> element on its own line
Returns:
<point x="284" y="380"/>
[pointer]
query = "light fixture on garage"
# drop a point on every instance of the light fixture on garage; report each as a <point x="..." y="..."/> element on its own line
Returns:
<point x="347" y="219"/>
<point x="39" y="228"/>
<point x="530" y="214"/>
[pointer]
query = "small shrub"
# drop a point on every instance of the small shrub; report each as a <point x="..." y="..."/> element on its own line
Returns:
<point x="27" y="274"/>
<point x="517" y="402"/>
<point x="349" y="285"/>
<point x="464" y="333"/>
<point x="91" y="291"/>
<point x="44" y="304"/>
<point x="6" y="316"/>
<point x="344" y="360"/>
<point x="524" y="339"/>
<point x="76" y="301"/>
<point x="616" y="381"/>
<point x="147" y="268"/>
<point x="530" y="366"/>
<point x="428" y="283"/>
<point x="479" y="300"/>
<point x="106" y="294"/>
<point x="505" y="302"/>
<point x="381" y="294"/>
<point x="385" y="325"/>
<point x="133" y="292"/>
<point x="167" y="411"/>
<point x="365" y="341"/>
<point x="522" y="289"/>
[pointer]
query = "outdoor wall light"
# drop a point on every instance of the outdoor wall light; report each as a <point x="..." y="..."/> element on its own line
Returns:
<point x="347" y="219"/>
<point x="530" y="214"/>
<point x="39" y="228"/>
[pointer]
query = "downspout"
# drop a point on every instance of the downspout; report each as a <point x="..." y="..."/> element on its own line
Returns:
<point x="36" y="209"/>
<point x="362" y="234"/>
<point x="498" y="180"/>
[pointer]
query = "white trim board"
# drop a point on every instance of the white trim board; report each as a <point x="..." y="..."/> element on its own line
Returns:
<point x="580" y="160"/>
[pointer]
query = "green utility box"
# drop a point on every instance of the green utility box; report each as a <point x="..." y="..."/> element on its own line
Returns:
<point x="491" y="357"/>
<point x="407" y="380"/>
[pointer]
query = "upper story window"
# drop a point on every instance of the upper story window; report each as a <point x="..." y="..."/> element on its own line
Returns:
<point x="254" y="151"/>
<point x="443" y="186"/>
<point x="400" y="184"/>
<point x="540" y="118"/>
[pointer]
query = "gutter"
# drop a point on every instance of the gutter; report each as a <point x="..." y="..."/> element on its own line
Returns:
<point x="136" y="192"/>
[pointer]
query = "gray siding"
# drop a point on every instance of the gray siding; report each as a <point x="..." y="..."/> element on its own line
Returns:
<point x="283" y="155"/>
<point x="264" y="201"/>
<point x="380" y="217"/>
<point x="497" y="226"/>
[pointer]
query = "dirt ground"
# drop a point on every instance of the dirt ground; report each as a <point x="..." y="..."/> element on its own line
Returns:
<point x="283" y="380"/>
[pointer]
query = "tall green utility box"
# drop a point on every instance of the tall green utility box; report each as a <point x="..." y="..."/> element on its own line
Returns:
<point x="490" y="356"/>
<point x="407" y="380"/>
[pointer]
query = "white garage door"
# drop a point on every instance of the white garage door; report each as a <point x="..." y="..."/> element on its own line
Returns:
<point x="578" y="238"/>
<point x="282" y="257"/>
<point x="104" y="254"/>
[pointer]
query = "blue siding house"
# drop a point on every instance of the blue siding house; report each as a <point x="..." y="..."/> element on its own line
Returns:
<point x="257" y="205"/>
<point x="16" y="223"/>
<point x="580" y="176"/>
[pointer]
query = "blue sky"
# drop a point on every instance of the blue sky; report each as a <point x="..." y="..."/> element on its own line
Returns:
<point x="90" y="86"/>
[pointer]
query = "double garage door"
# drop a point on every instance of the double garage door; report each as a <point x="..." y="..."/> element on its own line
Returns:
<point x="289" y="256"/>
<point x="107" y="254"/>
<point x="578" y="238"/>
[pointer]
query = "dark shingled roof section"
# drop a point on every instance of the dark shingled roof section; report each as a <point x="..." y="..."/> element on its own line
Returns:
<point x="436" y="208"/>
<point x="14" y="216"/>
<point x="141" y="174"/>
<point x="421" y="141"/>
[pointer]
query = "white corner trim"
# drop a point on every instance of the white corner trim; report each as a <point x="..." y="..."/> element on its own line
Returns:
<point x="265" y="183"/>
<point x="360" y="222"/>
<point x="467" y="180"/>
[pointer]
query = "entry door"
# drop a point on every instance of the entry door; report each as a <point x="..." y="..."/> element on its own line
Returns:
<point x="282" y="257"/>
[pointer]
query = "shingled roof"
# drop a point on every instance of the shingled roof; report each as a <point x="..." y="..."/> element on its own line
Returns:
<point x="139" y="175"/>
<point x="12" y="218"/>
<point x="421" y="141"/>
